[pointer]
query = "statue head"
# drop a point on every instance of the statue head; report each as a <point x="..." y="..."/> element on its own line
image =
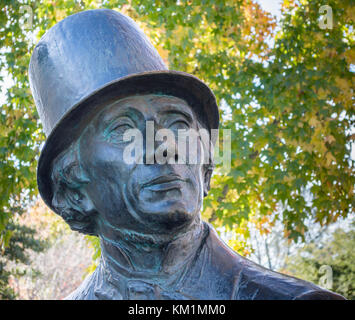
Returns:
<point x="96" y="188"/>
<point x="91" y="86"/>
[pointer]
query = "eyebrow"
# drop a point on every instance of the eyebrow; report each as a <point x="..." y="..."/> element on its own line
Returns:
<point x="132" y="113"/>
<point x="177" y="108"/>
<point x="128" y="112"/>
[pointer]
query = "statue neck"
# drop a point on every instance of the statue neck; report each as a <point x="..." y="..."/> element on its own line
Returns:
<point x="151" y="255"/>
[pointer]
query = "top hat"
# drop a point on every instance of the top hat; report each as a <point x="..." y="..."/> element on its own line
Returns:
<point x="89" y="60"/>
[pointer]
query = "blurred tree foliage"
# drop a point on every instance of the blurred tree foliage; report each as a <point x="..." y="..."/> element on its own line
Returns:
<point x="22" y="239"/>
<point x="338" y="254"/>
<point x="56" y="271"/>
<point x="286" y="93"/>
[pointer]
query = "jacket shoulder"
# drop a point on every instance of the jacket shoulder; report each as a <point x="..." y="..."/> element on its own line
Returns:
<point x="321" y="294"/>
<point x="250" y="281"/>
<point x="85" y="291"/>
<point x="258" y="283"/>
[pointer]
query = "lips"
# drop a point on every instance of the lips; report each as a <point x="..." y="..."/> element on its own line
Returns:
<point x="164" y="183"/>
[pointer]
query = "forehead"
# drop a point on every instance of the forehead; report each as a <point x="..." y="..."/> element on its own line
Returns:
<point x="146" y="105"/>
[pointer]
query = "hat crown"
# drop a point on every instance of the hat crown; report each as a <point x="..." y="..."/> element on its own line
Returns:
<point x="81" y="54"/>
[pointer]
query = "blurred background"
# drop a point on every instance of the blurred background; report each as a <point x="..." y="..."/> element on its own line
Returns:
<point x="283" y="75"/>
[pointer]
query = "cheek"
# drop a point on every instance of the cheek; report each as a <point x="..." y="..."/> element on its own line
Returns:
<point x="196" y="172"/>
<point x="107" y="173"/>
<point x="193" y="195"/>
<point x="103" y="152"/>
<point x="107" y="159"/>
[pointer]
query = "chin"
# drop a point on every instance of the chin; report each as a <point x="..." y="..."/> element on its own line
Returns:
<point x="170" y="215"/>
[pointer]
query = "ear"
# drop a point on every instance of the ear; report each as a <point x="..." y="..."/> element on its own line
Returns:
<point x="207" y="180"/>
<point x="76" y="208"/>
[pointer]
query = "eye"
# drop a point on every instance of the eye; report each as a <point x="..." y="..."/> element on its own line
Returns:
<point x="117" y="132"/>
<point x="179" y="125"/>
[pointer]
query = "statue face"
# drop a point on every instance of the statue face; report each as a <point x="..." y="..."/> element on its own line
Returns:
<point x="142" y="197"/>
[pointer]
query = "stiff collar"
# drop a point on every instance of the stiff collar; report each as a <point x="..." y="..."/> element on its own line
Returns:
<point x="114" y="281"/>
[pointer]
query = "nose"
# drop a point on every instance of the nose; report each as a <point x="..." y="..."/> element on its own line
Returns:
<point x="167" y="150"/>
<point x="161" y="146"/>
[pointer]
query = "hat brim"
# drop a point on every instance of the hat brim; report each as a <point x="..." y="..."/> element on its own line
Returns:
<point x="180" y="84"/>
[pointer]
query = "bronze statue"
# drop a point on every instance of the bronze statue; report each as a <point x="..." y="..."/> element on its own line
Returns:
<point x="95" y="75"/>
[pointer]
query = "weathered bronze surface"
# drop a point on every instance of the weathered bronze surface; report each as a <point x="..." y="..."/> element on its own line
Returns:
<point x="93" y="76"/>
